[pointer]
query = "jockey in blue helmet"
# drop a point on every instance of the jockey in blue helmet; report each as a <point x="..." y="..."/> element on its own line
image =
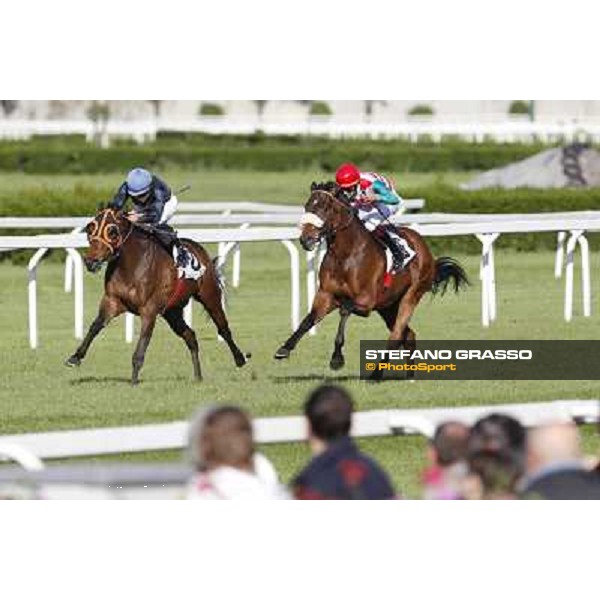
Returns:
<point x="153" y="204"/>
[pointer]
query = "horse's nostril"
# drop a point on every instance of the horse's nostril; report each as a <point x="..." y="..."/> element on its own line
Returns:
<point x="92" y="264"/>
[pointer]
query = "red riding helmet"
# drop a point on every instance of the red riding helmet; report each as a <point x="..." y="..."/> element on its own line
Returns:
<point x="347" y="175"/>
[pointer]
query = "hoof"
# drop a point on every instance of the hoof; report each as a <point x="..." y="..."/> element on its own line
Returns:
<point x="336" y="363"/>
<point x="73" y="361"/>
<point x="242" y="359"/>
<point x="282" y="353"/>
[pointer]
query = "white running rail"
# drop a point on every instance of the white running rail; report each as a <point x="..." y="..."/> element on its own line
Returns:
<point x="571" y="227"/>
<point x="270" y="430"/>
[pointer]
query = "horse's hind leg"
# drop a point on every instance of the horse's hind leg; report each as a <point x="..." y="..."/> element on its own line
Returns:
<point x="109" y="308"/>
<point x="401" y="333"/>
<point x="388" y="314"/>
<point x="409" y="341"/>
<point x="337" y="358"/>
<point x="148" y="323"/>
<point x="212" y="305"/>
<point x="174" y="318"/>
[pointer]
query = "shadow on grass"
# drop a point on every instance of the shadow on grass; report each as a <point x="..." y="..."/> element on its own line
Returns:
<point x="92" y="379"/>
<point x="333" y="378"/>
<point x="313" y="377"/>
<point x="112" y="379"/>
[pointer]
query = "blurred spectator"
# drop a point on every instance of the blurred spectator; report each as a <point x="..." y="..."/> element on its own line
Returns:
<point x="555" y="469"/>
<point x="496" y="458"/>
<point x="338" y="470"/>
<point x="447" y="453"/>
<point x="228" y="468"/>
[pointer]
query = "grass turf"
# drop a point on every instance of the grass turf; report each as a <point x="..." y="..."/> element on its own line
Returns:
<point x="38" y="393"/>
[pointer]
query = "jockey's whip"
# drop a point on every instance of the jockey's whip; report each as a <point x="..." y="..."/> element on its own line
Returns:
<point x="184" y="189"/>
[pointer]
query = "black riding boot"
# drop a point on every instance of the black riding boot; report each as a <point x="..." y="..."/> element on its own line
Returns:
<point x="399" y="255"/>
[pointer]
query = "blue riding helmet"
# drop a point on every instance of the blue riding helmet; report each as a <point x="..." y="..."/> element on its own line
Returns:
<point x="139" y="182"/>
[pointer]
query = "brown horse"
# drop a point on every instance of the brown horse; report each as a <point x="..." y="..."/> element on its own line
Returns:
<point x="141" y="278"/>
<point x="351" y="277"/>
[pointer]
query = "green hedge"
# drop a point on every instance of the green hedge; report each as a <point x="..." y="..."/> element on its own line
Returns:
<point x="81" y="200"/>
<point x="257" y="152"/>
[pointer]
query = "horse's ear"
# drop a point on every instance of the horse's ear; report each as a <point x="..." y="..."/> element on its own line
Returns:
<point x="313" y="186"/>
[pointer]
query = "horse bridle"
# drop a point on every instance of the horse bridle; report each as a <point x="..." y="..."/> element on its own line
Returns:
<point x="100" y="232"/>
<point x="328" y="231"/>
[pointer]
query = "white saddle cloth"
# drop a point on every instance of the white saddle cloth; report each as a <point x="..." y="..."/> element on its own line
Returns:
<point x="389" y="258"/>
<point x="193" y="268"/>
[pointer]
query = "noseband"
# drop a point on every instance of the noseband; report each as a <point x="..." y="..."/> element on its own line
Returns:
<point x="327" y="231"/>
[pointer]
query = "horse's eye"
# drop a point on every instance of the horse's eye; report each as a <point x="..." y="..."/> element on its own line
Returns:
<point x="113" y="232"/>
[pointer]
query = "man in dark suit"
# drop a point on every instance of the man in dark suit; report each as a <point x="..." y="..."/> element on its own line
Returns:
<point x="338" y="470"/>
<point x="555" y="469"/>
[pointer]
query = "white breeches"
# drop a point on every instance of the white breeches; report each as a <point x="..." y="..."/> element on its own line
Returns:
<point x="373" y="216"/>
<point x="169" y="209"/>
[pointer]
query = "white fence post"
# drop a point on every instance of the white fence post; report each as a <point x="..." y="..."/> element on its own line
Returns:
<point x="187" y="313"/>
<point x="560" y="253"/>
<point x="78" y="296"/>
<point x="68" y="274"/>
<point x="129" y="327"/>
<point x="311" y="284"/>
<point x="571" y="244"/>
<point x="295" y="283"/>
<point x="488" y="278"/>
<point x="32" y="295"/>
<point x="586" y="288"/>
<point x="237" y="251"/>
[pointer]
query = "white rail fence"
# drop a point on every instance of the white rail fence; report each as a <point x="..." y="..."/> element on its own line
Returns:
<point x="503" y="131"/>
<point x="274" y="430"/>
<point x="571" y="229"/>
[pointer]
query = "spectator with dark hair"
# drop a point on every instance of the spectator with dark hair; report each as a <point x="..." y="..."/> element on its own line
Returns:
<point x="222" y="451"/>
<point x="338" y="470"/>
<point x="555" y="467"/>
<point x="496" y="457"/>
<point x="447" y="453"/>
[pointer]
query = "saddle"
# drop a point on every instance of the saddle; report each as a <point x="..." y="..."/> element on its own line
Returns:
<point x="188" y="266"/>
<point x="164" y="234"/>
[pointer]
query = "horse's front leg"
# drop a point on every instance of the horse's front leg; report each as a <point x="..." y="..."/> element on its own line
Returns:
<point x="323" y="304"/>
<point x="148" y="322"/>
<point x="110" y="307"/>
<point x="337" y="358"/>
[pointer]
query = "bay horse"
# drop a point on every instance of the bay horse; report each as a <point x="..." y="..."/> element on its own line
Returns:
<point x="351" y="277"/>
<point x="141" y="277"/>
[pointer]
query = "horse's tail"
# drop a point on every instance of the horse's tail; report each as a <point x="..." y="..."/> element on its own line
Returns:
<point x="448" y="269"/>
<point x="221" y="280"/>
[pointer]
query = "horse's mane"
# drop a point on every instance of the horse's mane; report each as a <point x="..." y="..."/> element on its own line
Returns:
<point x="325" y="186"/>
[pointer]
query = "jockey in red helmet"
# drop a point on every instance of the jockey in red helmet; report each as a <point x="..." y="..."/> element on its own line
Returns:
<point x="376" y="200"/>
